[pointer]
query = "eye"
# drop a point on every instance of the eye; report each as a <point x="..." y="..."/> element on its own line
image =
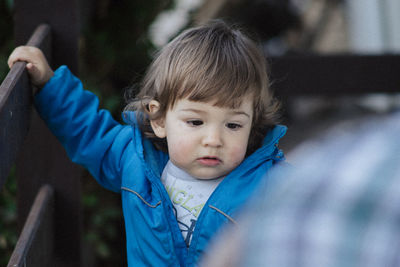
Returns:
<point x="195" y="122"/>
<point x="233" y="126"/>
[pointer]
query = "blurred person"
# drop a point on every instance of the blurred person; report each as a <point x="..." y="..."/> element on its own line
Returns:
<point x="340" y="205"/>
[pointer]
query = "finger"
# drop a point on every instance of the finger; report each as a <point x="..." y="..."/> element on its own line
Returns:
<point x="14" y="57"/>
<point x="19" y="54"/>
<point x="11" y="60"/>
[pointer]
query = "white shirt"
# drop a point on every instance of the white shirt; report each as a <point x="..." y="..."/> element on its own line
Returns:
<point x="188" y="195"/>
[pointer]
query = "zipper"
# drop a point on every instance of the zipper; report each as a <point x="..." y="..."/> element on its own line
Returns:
<point x="139" y="196"/>
<point x="223" y="213"/>
<point x="169" y="213"/>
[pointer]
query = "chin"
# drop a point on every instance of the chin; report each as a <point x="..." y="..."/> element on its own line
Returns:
<point x="209" y="177"/>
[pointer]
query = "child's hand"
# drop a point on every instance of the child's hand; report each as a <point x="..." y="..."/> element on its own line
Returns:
<point x="37" y="65"/>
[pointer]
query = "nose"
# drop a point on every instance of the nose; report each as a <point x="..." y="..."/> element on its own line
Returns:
<point x="212" y="137"/>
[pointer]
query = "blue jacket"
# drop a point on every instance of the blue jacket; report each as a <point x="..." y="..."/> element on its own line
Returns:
<point x="122" y="160"/>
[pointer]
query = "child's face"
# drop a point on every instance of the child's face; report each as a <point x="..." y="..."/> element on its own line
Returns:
<point x="205" y="140"/>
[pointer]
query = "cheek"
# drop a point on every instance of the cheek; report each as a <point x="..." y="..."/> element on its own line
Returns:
<point x="179" y="149"/>
<point x="238" y="150"/>
<point x="237" y="153"/>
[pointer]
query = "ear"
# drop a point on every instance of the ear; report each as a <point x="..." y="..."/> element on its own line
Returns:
<point x="158" y="125"/>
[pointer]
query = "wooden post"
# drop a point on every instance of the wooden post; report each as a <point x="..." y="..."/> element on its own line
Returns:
<point x="335" y="75"/>
<point x="15" y="102"/>
<point x="35" y="243"/>
<point x="43" y="160"/>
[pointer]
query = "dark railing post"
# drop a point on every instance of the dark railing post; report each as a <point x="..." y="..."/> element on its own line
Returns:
<point x="42" y="159"/>
<point x="36" y="243"/>
<point x="335" y="74"/>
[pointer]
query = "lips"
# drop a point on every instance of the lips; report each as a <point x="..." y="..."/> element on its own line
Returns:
<point x="209" y="161"/>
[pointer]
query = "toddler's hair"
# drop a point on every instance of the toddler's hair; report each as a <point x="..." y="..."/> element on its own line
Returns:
<point x="216" y="63"/>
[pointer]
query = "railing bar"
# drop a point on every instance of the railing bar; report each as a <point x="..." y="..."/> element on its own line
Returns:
<point x="6" y="87"/>
<point x="15" y="104"/>
<point x="40" y="34"/>
<point x="10" y="81"/>
<point x="41" y="204"/>
<point x="335" y="74"/>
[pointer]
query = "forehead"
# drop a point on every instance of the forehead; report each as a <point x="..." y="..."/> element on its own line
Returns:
<point x="244" y="105"/>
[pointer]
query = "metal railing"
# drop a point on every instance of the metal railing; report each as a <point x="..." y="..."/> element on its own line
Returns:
<point x="35" y="244"/>
<point x="47" y="182"/>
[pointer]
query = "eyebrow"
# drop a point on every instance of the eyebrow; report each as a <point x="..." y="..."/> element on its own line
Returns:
<point x="241" y="113"/>
<point x="202" y="111"/>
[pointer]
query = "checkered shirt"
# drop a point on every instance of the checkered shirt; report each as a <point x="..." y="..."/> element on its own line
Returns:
<point x="339" y="206"/>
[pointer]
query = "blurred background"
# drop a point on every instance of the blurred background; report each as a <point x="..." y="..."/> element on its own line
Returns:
<point x="117" y="42"/>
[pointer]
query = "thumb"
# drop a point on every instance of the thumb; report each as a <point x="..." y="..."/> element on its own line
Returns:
<point x="36" y="75"/>
<point x="33" y="72"/>
<point x="30" y="67"/>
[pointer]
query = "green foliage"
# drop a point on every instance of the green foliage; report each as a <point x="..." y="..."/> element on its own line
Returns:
<point x="9" y="4"/>
<point x="8" y="218"/>
<point x="114" y="51"/>
<point x="103" y="224"/>
<point x="6" y="36"/>
<point x="8" y="209"/>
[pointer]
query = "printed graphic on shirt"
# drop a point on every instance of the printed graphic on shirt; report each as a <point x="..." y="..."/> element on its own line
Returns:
<point x="188" y="196"/>
<point x="187" y="208"/>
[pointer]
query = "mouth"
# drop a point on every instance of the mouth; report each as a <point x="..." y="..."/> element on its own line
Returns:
<point x="209" y="161"/>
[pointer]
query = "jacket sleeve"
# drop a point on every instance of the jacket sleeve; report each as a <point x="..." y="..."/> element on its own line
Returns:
<point x="91" y="137"/>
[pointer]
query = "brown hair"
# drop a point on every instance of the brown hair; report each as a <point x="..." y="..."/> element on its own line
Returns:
<point x="215" y="62"/>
